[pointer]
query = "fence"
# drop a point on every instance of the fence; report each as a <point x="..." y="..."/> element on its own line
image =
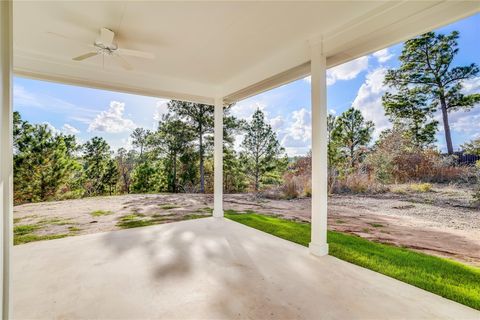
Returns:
<point x="466" y="159"/>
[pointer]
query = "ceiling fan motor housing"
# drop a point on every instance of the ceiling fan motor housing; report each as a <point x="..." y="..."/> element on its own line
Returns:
<point x="104" y="49"/>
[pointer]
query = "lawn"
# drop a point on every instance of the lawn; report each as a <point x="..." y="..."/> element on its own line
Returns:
<point x="444" y="277"/>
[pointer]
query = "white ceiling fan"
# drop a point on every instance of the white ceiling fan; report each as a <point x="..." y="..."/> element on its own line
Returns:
<point x="105" y="46"/>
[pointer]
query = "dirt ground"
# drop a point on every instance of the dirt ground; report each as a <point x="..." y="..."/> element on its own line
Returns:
<point x="440" y="222"/>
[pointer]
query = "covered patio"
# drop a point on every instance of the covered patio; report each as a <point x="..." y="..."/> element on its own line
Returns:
<point x="206" y="269"/>
<point x="216" y="53"/>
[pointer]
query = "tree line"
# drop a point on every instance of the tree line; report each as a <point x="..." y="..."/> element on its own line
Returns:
<point x="178" y="155"/>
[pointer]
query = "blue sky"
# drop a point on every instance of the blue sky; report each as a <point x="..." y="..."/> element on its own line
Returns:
<point x="89" y="112"/>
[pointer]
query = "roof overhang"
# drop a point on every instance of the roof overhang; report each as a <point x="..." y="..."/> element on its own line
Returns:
<point x="231" y="49"/>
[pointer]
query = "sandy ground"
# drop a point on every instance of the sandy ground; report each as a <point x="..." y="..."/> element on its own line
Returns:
<point x="440" y="222"/>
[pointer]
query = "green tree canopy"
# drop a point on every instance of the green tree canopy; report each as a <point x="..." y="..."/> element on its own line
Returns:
<point x="408" y="109"/>
<point x="43" y="161"/>
<point x="351" y="133"/>
<point x="200" y="118"/>
<point x="174" y="137"/>
<point x="427" y="67"/>
<point x="96" y="156"/>
<point x="472" y="147"/>
<point x="260" y="148"/>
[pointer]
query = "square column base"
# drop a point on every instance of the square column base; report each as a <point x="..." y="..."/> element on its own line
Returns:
<point x="318" y="250"/>
<point x="217" y="213"/>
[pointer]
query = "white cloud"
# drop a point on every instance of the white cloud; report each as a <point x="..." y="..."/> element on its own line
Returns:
<point x="246" y="110"/>
<point x="51" y="127"/>
<point x="161" y="108"/>
<point x="22" y="97"/>
<point x="471" y="86"/>
<point x="277" y="122"/>
<point x="383" y="55"/>
<point x="467" y="122"/>
<point x="347" y="71"/>
<point x="298" y="134"/>
<point x="369" y="100"/>
<point x="112" y="120"/>
<point x="68" y="129"/>
<point x="464" y="121"/>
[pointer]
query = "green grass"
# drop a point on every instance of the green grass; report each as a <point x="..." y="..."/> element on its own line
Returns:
<point x="99" y="213"/>
<point x="168" y="206"/>
<point x="20" y="239"/>
<point x="135" y="220"/>
<point x="444" y="277"/>
<point x="25" y="233"/>
<point x="55" y="221"/>
<point x="205" y="210"/>
<point x="195" y="216"/>
<point x="25" y="229"/>
<point x="376" y="225"/>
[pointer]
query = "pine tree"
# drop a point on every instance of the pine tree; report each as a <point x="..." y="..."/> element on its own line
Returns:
<point x="351" y="133"/>
<point x="260" y="148"/>
<point x="43" y="161"/>
<point x="96" y="157"/>
<point x="174" y="137"/>
<point x="200" y="118"/>
<point x="139" y="139"/>
<point x="110" y="176"/>
<point x="427" y="66"/>
<point x="126" y="163"/>
<point x="408" y="110"/>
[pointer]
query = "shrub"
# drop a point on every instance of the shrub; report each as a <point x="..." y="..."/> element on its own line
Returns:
<point x="421" y="187"/>
<point x="476" y="194"/>
<point x="358" y="182"/>
<point x="290" y="189"/>
<point x="396" y="160"/>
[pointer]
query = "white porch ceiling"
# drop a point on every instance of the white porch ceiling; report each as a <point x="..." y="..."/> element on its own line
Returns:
<point x="231" y="49"/>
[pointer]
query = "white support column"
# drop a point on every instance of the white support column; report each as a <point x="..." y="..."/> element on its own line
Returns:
<point x="6" y="154"/>
<point x="318" y="245"/>
<point x="218" y="160"/>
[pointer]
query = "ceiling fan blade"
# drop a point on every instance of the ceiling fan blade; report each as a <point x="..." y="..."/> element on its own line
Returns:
<point x="136" y="53"/>
<point x="85" y="56"/>
<point x="124" y="63"/>
<point x="69" y="39"/>
<point x="106" y="36"/>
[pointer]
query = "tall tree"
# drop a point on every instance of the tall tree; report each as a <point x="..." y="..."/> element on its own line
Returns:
<point x="200" y="118"/>
<point x="427" y="64"/>
<point x="261" y="148"/>
<point x="110" y="176"/>
<point x="125" y="163"/>
<point x="334" y="156"/>
<point x="174" y="137"/>
<point x="96" y="157"/>
<point x="409" y="110"/>
<point x="139" y="139"/>
<point x="352" y="132"/>
<point x="42" y="162"/>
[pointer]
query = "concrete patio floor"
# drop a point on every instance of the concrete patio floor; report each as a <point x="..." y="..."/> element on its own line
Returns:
<point x="205" y="269"/>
